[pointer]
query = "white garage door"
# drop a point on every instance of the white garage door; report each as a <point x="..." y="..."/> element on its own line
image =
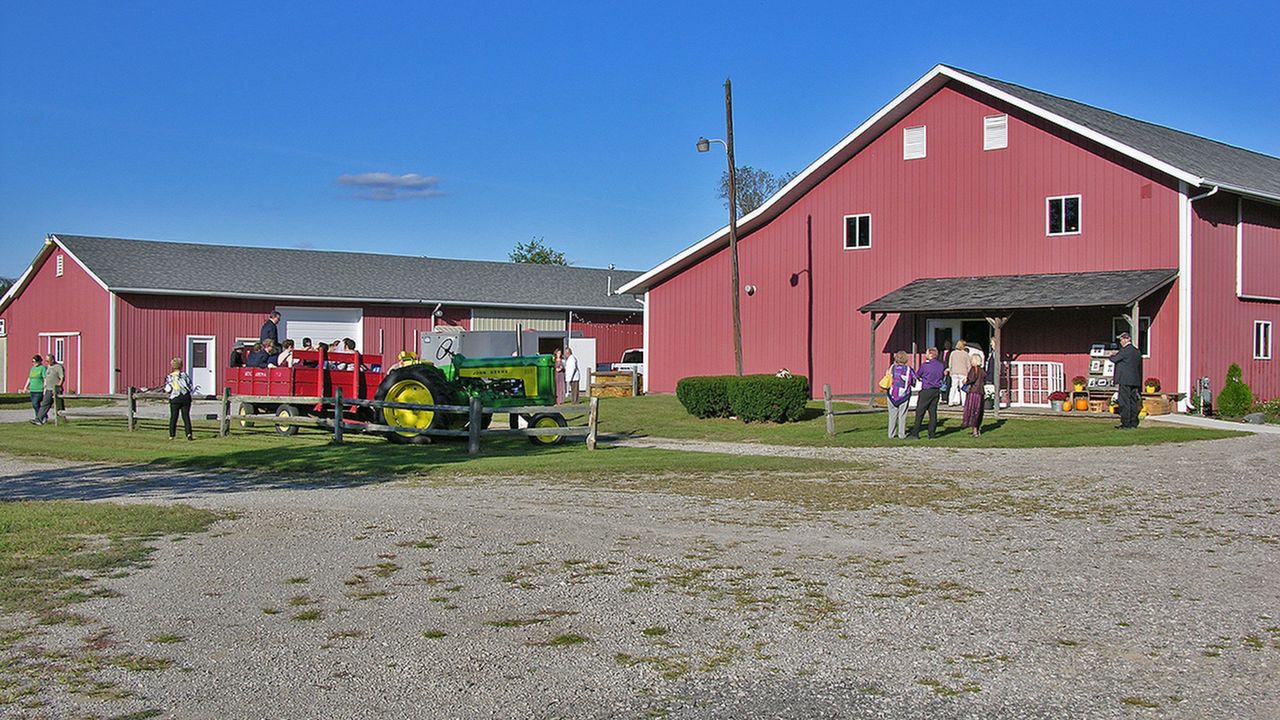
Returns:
<point x="321" y="324"/>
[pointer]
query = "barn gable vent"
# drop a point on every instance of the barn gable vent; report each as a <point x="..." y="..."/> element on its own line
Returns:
<point x="58" y="264"/>
<point x="995" y="132"/>
<point x="913" y="143"/>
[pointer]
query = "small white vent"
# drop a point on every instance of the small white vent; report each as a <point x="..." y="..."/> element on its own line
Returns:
<point x="913" y="143"/>
<point x="995" y="132"/>
<point x="58" y="263"/>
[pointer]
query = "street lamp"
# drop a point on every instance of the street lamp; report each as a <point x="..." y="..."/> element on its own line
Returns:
<point x="704" y="145"/>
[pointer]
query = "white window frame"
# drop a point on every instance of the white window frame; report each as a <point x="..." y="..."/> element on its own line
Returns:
<point x="987" y="122"/>
<point x="924" y="143"/>
<point x="1120" y="323"/>
<point x="58" y="263"/>
<point x="3" y="329"/>
<point x="1048" y="231"/>
<point x="847" y="218"/>
<point x="1262" y="331"/>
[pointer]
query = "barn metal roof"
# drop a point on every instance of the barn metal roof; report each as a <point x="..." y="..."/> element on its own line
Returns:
<point x="1217" y="163"/>
<point x="997" y="293"/>
<point x="149" y="266"/>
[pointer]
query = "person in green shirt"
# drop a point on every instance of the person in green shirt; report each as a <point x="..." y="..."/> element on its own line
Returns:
<point x="53" y="375"/>
<point x="35" y="383"/>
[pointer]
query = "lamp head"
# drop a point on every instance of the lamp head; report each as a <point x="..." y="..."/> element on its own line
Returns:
<point x="703" y="144"/>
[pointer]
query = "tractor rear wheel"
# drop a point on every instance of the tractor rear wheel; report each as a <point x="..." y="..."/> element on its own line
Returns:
<point x="289" y="412"/>
<point x="419" y="385"/>
<point x="546" y="420"/>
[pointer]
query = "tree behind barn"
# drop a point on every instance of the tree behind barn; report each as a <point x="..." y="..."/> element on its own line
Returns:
<point x="537" y="252"/>
<point x="754" y="187"/>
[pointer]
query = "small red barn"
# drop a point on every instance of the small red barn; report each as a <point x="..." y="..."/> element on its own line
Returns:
<point x="968" y="202"/>
<point x="116" y="311"/>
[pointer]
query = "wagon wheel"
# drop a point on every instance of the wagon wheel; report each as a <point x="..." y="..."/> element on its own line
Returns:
<point x="287" y="411"/>
<point x="547" y="420"/>
<point x="247" y="409"/>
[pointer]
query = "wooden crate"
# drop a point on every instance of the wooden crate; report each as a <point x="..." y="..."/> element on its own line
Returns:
<point x="613" y="384"/>
<point x="1157" y="404"/>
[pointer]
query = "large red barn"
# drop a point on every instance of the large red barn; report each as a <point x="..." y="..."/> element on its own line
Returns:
<point x="968" y="198"/>
<point x="116" y="311"/>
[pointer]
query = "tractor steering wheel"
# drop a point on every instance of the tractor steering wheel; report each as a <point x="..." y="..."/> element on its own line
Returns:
<point x="445" y="349"/>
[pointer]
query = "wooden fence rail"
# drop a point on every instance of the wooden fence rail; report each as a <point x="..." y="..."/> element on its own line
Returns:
<point x="828" y="405"/>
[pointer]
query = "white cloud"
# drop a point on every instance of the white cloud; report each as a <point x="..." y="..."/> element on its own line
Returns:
<point x="385" y="186"/>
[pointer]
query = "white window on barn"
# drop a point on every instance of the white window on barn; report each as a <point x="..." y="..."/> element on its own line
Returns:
<point x="1062" y="215"/>
<point x="913" y="143"/>
<point x="995" y="132"/>
<point x="1143" y="340"/>
<point x="1262" y="340"/>
<point x="60" y="350"/>
<point x="58" y="265"/>
<point x="857" y="232"/>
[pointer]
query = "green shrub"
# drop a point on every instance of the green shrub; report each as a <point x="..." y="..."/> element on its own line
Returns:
<point x="705" y="397"/>
<point x="1235" y="399"/>
<point x="768" y="398"/>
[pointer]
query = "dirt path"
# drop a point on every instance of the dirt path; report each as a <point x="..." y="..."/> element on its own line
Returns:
<point x="950" y="583"/>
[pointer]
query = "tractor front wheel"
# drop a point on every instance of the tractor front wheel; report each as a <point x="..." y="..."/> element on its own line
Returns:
<point x="546" y="420"/>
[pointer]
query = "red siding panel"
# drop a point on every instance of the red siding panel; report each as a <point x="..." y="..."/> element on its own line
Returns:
<point x="613" y="333"/>
<point x="960" y="211"/>
<point x="73" y="303"/>
<point x="1221" y="323"/>
<point x="1260" y="250"/>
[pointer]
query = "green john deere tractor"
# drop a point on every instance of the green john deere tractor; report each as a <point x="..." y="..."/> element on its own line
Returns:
<point x="504" y="382"/>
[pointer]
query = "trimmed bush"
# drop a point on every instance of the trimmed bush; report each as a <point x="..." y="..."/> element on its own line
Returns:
<point x="768" y="398"/>
<point x="705" y="397"/>
<point x="1235" y="399"/>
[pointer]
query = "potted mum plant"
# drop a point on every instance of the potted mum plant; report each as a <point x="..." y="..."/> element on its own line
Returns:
<point x="1152" y="385"/>
<point x="1078" y="381"/>
<point x="1060" y="400"/>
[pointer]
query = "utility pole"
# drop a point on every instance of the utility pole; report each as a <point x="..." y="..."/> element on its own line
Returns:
<point x="733" y="227"/>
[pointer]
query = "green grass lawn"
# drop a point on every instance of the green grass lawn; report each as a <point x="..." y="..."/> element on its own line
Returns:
<point x="663" y="416"/>
<point x="310" y="453"/>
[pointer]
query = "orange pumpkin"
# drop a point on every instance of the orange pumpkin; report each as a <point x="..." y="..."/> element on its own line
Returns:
<point x="1066" y="406"/>
<point x="1082" y="403"/>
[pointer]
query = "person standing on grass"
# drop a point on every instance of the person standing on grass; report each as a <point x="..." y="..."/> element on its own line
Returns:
<point x="958" y="365"/>
<point x="901" y="379"/>
<point x="557" y="358"/>
<point x="179" y="386"/>
<point x="571" y="375"/>
<point x="35" y="385"/>
<point x="974" y="397"/>
<point x="1128" y="377"/>
<point x="53" y="376"/>
<point x="930" y="373"/>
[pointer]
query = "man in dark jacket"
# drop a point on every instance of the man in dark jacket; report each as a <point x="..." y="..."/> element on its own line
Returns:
<point x="270" y="329"/>
<point x="1128" y="377"/>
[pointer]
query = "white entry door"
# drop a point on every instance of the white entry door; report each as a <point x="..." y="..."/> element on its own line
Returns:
<point x="585" y="350"/>
<point x="201" y="352"/>
<point x="939" y="332"/>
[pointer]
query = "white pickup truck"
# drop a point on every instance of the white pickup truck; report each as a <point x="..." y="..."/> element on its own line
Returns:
<point x="632" y="361"/>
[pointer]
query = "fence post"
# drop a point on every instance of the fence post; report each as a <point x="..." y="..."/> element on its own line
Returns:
<point x="130" y="407"/>
<point x="337" y="416"/>
<point x="635" y="384"/>
<point x="593" y="419"/>
<point x="826" y="405"/>
<point x="473" y="427"/>
<point x="224" y="419"/>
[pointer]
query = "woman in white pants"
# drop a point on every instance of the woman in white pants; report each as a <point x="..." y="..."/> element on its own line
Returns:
<point x="958" y="366"/>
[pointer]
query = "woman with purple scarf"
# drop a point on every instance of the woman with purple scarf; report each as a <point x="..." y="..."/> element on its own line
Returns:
<point x="901" y="379"/>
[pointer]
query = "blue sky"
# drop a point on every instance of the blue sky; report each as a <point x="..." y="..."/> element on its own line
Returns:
<point x="238" y="122"/>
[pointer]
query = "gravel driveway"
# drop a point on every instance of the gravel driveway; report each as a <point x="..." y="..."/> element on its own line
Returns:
<point x="1109" y="582"/>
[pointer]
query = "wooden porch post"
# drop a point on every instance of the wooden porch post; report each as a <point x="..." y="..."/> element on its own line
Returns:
<point x="876" y="319"/>
<point x="997" y="324"/>
<point x="1133" y="325"/>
